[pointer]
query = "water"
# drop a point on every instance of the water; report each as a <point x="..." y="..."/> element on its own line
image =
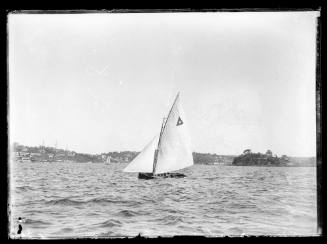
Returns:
<point x="59" y="200"/>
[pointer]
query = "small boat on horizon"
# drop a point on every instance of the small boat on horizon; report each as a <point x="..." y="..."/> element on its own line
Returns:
<point x="108" y="161"/>
<point x="167" y="152"/>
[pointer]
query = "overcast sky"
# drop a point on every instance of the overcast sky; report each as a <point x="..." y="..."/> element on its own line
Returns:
<point x="103" y="82"/>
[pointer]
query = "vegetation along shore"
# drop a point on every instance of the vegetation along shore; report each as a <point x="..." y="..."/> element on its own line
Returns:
<point x="23" y="153"/>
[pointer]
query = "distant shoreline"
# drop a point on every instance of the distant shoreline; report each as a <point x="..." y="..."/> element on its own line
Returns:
<point x="50" y="154"/>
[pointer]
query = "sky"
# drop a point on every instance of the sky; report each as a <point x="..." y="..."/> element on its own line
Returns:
<point x="96" y="83"/>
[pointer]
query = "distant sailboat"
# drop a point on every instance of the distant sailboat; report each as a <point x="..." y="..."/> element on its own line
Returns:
<point x="108" y="160"/>
<point x="167" y="152"/>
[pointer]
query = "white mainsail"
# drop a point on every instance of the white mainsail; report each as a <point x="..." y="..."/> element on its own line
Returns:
<point x="144" y="161"/>
<point x="175" y="144"/>
<point x="174" y="148"/>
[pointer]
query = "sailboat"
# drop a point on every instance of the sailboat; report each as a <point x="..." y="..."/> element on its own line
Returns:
<point x="108" y="160"/>
<point x="167" y="152"/>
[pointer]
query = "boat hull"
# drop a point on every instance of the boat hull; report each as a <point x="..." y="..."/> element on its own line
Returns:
<point x="149" y="176"/>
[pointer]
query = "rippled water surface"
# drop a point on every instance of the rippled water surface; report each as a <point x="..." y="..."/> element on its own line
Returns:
<point x="91" y="199"/>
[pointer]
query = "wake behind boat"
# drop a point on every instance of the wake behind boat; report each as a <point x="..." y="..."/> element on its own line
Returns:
<point x="168" y="152"/>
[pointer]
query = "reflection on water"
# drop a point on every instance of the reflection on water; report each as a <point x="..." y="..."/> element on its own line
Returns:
<point x="84" y="199"/>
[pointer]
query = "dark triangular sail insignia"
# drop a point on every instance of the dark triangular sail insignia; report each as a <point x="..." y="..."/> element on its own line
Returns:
<point x="179" y="122"/>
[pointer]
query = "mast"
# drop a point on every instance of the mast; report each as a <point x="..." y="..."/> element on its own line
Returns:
<point x="161" y="132"/>
<point x="157" y="150"/>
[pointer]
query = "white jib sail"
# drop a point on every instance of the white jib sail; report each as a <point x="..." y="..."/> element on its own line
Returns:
<point x="175" y="147"/>
<point x="144" y="161"/>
